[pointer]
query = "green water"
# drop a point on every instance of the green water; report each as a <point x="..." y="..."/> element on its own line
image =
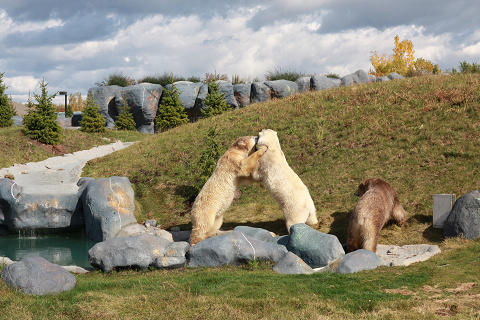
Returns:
<point x="62" y="249"/>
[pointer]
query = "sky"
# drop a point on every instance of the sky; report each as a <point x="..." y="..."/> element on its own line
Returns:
<point x="73" y="44"/>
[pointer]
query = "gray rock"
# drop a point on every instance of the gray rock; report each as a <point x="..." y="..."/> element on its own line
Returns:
<point x="395" y="76"/>
<point x="9" y="193"/>
<point x="242" y="92"/>
<point x="105" y="99"/>
<point x="303" y="84"/>
<point x="76" y="118"/>
<point x="35" y="275"/>
<point x="464" y="218"/>
<point x="139" y="251"/>
<point x="281" y="88"/>
<point x="371" y="78"/>
<point x="318" y="83"/>
<point x="356" y="261"/>
<point x="257" y="233"/>
<point x="260" y="92"/>
<point x="283" y="240"/>
<point x="360" y="76"/>
<point x="383" y="79"/>
<point x="290" y="263"/>
<point x="142" y="99"/>
<point x="152" y="223"/>
<point x="232" y="248"/>
<point x="108" y="206"/>
<point x="226" y="88"/>
<point x="188" y="93"/>
<point x="317" y="249"/>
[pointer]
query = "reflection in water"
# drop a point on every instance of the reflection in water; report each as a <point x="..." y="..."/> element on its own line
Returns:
<point x="62" y="249"/>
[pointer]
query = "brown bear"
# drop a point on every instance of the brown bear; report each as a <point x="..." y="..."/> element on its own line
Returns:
<point x="284" y="184"/>
<point x="378" y="204"/>
<point x="233" y="169"/>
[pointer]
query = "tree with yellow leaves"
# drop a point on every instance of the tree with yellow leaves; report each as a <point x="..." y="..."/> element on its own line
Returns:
<point x="401" y="61"/>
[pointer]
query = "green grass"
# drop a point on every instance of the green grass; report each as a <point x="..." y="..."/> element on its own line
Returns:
<point x="420" y="134"/>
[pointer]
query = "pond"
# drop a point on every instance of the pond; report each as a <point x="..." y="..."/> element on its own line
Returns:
<point x="63" y="249"/>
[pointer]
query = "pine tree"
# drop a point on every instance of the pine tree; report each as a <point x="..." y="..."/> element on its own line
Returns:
<point x="215" y="101"/>
<point x="7" y="111"/>
<point x="171" y="112"/>
<point x="210" y="155"/>
<point x="92" y="120"/>
<point x="40" y="122"/>
<point x="125" y="120"/>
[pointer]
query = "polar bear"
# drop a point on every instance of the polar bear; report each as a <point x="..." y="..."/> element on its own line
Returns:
<point x="378" y="204"/>
<point x="284" y="184"/>
<point x="233" y="169"/>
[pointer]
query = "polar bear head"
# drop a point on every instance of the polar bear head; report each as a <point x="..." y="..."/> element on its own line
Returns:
<point x="269" y="138"/>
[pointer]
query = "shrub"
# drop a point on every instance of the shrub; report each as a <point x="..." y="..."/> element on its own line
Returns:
<point x="163" y="80"/>
<point x="171" y="112"/>
<point x="117" y="79"/>
<point x="125" y="120"/>
<point x="7" y="111"/>
<point x="40" y="122"/>
<point x="279" y="74"/>
<point x="466" y="67"/>
<point x="92" y="120"/>
<point x="215" y="101"/>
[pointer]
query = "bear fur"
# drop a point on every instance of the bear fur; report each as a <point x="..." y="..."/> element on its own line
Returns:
<point x="233" y="169"/>
<point x="284" y="184"/>
<point x="378" y="204"/>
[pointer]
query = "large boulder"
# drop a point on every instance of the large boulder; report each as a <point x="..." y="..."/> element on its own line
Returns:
<point x="319" y="82"/>
<point x="395" y="76"/>
<point x="9" y="193"/>
<point x="257" y="233"/>
<point x="242" y="92"/>
<point x="359" y="76"/>
<point x="317" y="249"/>
<point x="290" y="263"/>
<point x="356" y="261"/>
<point x="108" y="206"/>
<point x="188" y="93"/>
<point x="105" y="99"/>
<point x="281" y="88"/>
<point x="232" y="248"/>
<point x="142" y="99"/>
<point x="260" y="92"/>
<point x="35" y="275"/>
<point x="303" y="84"/>
<point x="226" y="88"/>
<point x="464" y="218"/>
<point x="139" y="251"/>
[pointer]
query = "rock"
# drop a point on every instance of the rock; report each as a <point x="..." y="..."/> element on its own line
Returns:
<point x="188" y="93"/>
<point x="317" y="249"/>
<point x="35" y="275"/>
<point x="382" y="79"/>
<point x="281" y="88"/>
<point x="179" y="235"/>
<point x="131" y="230"/>
<point x="242" y="92"/>
<point x="152" y="223"/>
<point x="76" y="118"/>
<point x="260" y="92"/>
<point x="105" y="99"/>
<point x="226" y="87"/>
<point x="464" y="218"/>
<point x="406" y="255"/>
<point x="356" y="261"/>
<point x="371" y="78"/>
<point x="142" y="99"/>
<point x="318" y="83"/>
<point x="290" y="263"/>
<point x="303" y="84"/>
<point x="139" y="251"/>
<point x="232" y="248"/>
<point x="283" y="240"/>
<point x="9" y="193"/>
<point x="108" y="206"/>
<point x="257" y="233"/>
<point x="359" y="76"/>
<point x="395" y="76"/>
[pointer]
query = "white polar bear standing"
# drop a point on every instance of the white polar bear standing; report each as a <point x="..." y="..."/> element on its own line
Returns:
<point x="284" y="184"/>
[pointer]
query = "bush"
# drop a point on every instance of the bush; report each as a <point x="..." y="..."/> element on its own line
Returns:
<point x="171" y="111"/>
<point x="7" y="111"/>
<point x="163" y="80"/>
<point x="40" y="122"/>
<point x="215" y="101"/>
<point x="125" y="120"/>
<point x="466" y="67"/>
<point x="117" y="79"/>
<point x="92" y="120"/>
<point x="279" y="74"/>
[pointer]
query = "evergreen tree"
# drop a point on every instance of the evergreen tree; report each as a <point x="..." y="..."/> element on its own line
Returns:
<point x="40" y="122"/>
<point x="92" y="120"/>
<point x="210" y="155"/>
<point x="7" y="111"/>
<point x="215" y="101"/>
<point x="171" y="112"/>
<point x="125" y="120"/>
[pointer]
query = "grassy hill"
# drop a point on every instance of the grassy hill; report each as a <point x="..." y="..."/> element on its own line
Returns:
<point x="419" y="134"/>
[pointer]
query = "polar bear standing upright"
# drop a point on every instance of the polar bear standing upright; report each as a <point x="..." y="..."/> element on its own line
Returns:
<point x="233" y="169"/>
<point x="284" y="184"/>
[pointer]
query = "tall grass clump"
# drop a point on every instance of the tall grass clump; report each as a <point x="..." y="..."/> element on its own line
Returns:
<point x="282" y="74"/>
<point x="162" y="79"/>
